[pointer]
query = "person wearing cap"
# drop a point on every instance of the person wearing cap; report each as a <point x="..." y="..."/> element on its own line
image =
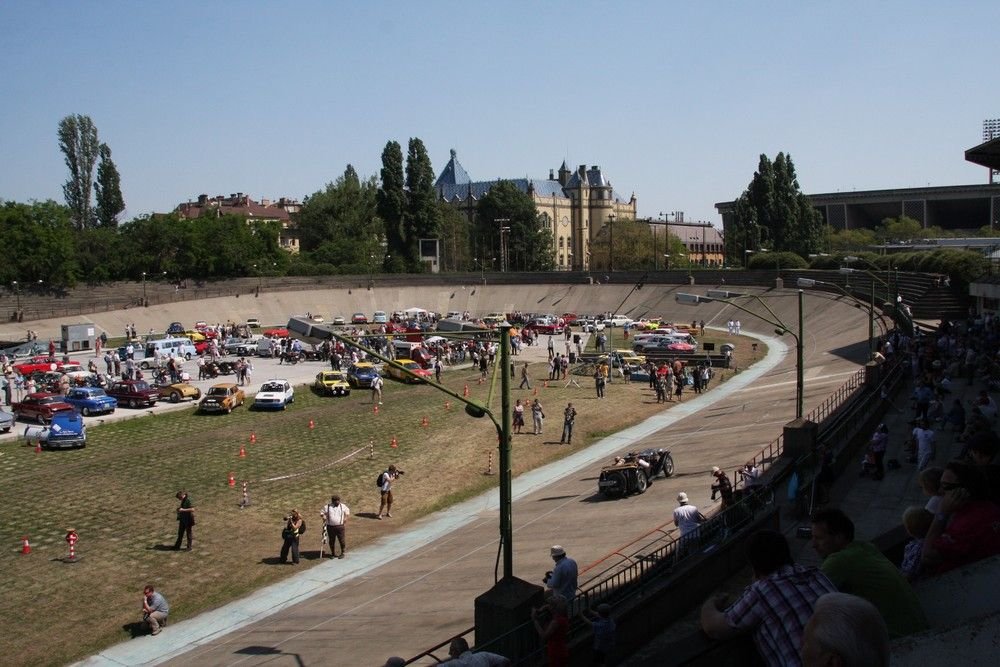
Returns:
<point x="563" y="579"/>
<point x="722" y="486"/>
<point x="687" y="518"/>
<point x="335" y="516"/>
<point x="603" y="628"/>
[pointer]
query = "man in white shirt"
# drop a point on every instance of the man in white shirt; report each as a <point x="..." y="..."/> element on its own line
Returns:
<point x="686" y="517"/>
<point x="335" y="515"/>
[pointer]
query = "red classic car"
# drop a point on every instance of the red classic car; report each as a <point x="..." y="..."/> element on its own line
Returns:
<point x="40" y="407"/>
<point x="37" y="363"/>
<point x="133" y="393"/>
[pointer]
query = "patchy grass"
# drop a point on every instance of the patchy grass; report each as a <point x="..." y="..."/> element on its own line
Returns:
<point x="118" y="493"/>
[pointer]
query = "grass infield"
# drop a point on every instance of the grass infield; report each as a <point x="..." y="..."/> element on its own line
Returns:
<point x="118" y="493"/>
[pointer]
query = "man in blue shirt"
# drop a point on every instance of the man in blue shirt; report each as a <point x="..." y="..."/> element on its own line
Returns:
<point x="564" y="575"/>
<point x="154" y="609"/>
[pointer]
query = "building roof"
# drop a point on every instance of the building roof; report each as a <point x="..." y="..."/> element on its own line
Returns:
<point x="986" y="154"/>
<point x="240" y="205"/>
<point x="454" y="183"/>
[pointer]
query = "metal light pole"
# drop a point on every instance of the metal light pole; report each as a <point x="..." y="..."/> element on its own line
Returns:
<point x="611" y="243"/>
<point x="725" y="297"/>
<point x="17" y="293"/>
<point x="144" y="301"/>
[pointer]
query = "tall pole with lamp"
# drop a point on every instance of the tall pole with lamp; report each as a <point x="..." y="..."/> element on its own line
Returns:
<point x="611" y="242"/>
<point x="781" y="328"/>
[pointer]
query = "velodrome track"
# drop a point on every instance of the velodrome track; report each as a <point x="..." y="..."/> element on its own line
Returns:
<point x="402" y="594"/>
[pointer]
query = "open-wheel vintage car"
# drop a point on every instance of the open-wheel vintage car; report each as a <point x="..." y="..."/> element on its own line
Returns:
<point x="634" y="472"/>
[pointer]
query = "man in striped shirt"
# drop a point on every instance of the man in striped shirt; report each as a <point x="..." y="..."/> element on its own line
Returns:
<point x="775" y="607"/>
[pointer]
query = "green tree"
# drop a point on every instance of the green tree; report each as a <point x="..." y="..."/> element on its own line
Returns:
<point x="79" y="145"/>
<point x="456" y="254"/>
<point x="391" y="200"/>
<point x="901" y="228"/>
<point x="423" y="217"/>
<point x="529" y="243"/>
<point x="39" y="244"/>
<point x="340" y="225"/>
<point x="108" y="189"/>
<point x="849" y="239"/>
<point x="635" y="248"/>
<point x="774" y="211"/>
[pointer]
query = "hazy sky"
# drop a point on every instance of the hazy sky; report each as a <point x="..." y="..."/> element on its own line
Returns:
<point x="674" y="100"/>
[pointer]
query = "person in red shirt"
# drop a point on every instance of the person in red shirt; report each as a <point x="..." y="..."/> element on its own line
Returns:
<point x="966" y="527"/>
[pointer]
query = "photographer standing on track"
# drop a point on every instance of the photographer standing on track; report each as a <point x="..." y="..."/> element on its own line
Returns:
<point x="385" y="488"/>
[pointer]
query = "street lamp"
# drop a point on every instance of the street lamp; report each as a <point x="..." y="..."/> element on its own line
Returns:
<point x="746" y="259"/>
<point x="611" y="242"/>
<point x="727" y="298"/>
<point x="504" y="256"/>
<point x="809" y="282"/>
<point x="144" y="302"/>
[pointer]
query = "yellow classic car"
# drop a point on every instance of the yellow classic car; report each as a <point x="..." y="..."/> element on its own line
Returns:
<point x="178" y="391"/>
<point x="222" y="398"/>
<point x="195" y="336"/>
<point x="332" y="383"/>
<point x="395" y="370"/>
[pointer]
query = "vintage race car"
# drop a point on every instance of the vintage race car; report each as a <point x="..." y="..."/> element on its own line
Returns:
<point x="178" y="391"/>
<point x="222" y="398"/>
<point x="91" y="400"/>
<point x="38" y="363"/>
<point x="395" y="370"/>
<point x="332" y="383"/>
<point x="634" y="472"/>
<point x="274" y="395"/>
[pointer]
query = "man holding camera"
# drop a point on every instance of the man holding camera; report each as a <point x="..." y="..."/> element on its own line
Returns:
<point x="154" y="609"/>
<point x="385" y="488"/>
<point x="563" y="577"/>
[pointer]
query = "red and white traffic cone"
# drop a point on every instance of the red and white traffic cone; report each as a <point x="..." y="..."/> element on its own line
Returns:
<point x="25" y="545"/>
<point x="243" y="452"/>
<point x="465" y="392"/>
<point x="425" y="422"/>
<point x="253" y="437"/>
<point x="232" y="480"/>
<point x="38" y="446"/>
<point x="375" y="410"/>
<point x="394" y="443"/>
<point x="312" y="424"/>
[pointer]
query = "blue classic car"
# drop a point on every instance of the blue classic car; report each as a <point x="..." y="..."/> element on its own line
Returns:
<point x="91" y="400"/>
<point x="65" y="431"/>
<point x="361" y="374"/>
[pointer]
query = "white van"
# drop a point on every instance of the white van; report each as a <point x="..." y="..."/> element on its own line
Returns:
<point x="181" y="348"/>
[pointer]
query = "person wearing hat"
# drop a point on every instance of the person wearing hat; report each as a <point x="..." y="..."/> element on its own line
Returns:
<point x="335" y="516"/>
<point x="687" y="518"/>
<point x="722" y="486"/>
<point x="290" y="537"/>
<point x="563" y="577"/>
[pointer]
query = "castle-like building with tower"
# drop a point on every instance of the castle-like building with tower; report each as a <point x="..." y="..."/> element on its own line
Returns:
<point x="573" y="205"/>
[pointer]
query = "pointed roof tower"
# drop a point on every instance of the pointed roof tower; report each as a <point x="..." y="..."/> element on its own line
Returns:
<point x="453" y="173"/>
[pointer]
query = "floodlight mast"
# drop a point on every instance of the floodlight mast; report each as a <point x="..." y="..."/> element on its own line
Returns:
<point x="780" y="329"/>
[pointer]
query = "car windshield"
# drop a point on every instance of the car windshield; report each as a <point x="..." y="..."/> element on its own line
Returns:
<point x="273" y="386"/>
<point x="218" y="391"/>
<point x="140" y="386"/>
<point x="333" y="377"/>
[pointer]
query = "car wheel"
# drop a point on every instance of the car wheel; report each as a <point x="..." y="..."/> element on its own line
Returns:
<point x="197" y="395"/>
<point x="641" y="483"/>
<point x="175" y="397"/>
<point x="229" y="410"/>
<point x="86" y="411"/>
<point x="668" y="465"/>
<point x="144" y="365"/>
<point x="132" y="403"/>
<point x="187" y="356"/>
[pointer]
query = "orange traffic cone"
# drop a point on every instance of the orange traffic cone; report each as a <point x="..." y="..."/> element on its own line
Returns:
<point x="375" y="410"/>
<point x="424" y="422"/>
<point x="253" y="437"/>
<point x="232" y="479"/>
<point x="394" y="443"/>
<point x="38" y="446"/>
<point x="312" y="424"/>
<point x="465" y="392"/>
<point x="243" y="452"/>
<point x="480" y="379"/>
<point x="25" y="545"/>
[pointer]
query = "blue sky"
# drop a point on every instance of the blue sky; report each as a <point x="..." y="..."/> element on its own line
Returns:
<point x="675" y="101"/>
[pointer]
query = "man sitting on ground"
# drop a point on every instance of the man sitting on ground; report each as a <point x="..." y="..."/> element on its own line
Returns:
<point x="775" y="607"/>
<point x="861" y="569"/>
